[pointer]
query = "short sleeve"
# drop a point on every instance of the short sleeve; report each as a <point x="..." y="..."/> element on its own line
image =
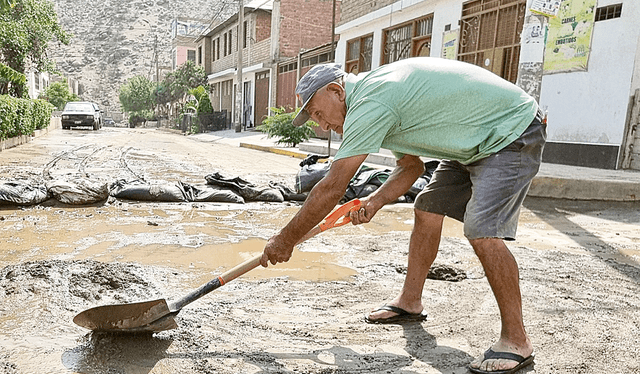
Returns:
<point x="366" y="125"/>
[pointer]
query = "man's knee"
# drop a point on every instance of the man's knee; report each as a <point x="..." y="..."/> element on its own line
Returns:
<point x="486" y="246"/>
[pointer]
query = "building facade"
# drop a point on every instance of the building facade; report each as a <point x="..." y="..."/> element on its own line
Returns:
<point x="272" y="31"/>
<point x="581" y="63"/>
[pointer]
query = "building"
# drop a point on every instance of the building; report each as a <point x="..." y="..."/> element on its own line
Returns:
<point x="272" y="31"/>
<point x="585" y="75"/>
<point x="36" y="82"/>
<point x="184" y="33"/>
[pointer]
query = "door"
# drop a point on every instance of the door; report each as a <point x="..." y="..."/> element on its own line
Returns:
<point x="490" y="35"/>
<point x="261" y="97"/>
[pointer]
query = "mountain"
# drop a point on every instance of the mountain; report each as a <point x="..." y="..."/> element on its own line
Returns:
<point x="114" y="40"/>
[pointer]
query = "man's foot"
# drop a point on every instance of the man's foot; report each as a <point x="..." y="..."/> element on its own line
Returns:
<point x="393" y="314"/>
<point x="498" y="361"/>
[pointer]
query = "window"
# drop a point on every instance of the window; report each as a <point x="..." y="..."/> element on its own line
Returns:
<point x="359" y="52"/>
<point x="407" y="40"/>
<point x="224" y="49"/>
<point x="213" y="50"/>
<point x="230" y="34"/>
<point x="244" y="33"/>
<point x="608" y="12"/>
<point x="191" y="55"/>
<point x="217" y="50"/>
<point x="288" y="67"/>
<point x="200" y="55"/>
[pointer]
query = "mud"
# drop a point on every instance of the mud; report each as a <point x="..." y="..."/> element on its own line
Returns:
<point x="579" y="270"/>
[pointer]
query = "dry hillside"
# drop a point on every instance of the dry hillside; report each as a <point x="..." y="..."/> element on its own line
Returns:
<point x="114" y="40"/>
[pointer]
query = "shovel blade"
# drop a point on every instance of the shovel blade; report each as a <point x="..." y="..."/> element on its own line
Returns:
<point x="146" y="316"/>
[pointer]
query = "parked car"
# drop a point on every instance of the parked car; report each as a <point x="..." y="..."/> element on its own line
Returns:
<point x="81" y="113"/>
<point x="108" y="121"/>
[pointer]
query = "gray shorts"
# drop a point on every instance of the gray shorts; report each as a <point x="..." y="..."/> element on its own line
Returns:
<point x="487" y="194"/>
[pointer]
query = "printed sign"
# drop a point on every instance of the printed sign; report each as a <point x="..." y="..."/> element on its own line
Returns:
<point x="569" y="37"/>
<point x="547" y="8"/>
<point x="450" y="44"/>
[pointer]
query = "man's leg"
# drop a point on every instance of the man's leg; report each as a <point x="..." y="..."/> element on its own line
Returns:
<point x="423" y="248"/>
<point x="501" y="270"/>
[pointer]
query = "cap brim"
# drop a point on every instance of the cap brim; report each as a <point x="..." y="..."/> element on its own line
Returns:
<point x="301" y="118"/>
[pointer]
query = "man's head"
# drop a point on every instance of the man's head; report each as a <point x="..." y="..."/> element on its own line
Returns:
<point x="323" y="97"/>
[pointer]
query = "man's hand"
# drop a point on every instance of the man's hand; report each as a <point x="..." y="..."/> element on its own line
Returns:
<point x="276" y="251"/>
<point x="368" y="209"/>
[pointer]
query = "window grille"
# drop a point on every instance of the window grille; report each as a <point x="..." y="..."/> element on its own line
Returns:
<point x="408" y="40"/>
<point x="608" y="12"/>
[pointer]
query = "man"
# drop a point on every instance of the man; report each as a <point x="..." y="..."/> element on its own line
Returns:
<point x="489" y="135"/>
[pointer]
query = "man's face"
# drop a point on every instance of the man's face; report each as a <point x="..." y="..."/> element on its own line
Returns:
<point x="327" y="107"/>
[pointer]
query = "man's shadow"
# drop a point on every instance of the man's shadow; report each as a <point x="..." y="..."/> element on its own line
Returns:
<point x="125" y="353"/>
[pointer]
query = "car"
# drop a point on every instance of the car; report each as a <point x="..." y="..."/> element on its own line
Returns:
<point x="109" y="121"/>
<point x="81" y="114"/>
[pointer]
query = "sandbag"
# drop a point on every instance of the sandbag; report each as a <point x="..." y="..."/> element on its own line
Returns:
<point x="79" y="191"/>
<point x="212" y="194"/>
<point x="309" y="176"/>
<point x="137" y="190"/>
<point x="22" y="193"/>
<point x="247" y="190"/>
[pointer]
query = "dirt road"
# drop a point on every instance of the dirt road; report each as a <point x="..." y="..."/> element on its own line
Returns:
<point x="579" y="269"/>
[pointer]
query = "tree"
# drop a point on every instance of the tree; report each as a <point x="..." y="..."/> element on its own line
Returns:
<point x="176" y="85"/>
<point x="137" y="96"/>
<point x="58" y="94"/>
<point x="26" y="29"/>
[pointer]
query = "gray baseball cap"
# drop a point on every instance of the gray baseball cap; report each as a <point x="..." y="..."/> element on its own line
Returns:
<point x="316" y="78"/>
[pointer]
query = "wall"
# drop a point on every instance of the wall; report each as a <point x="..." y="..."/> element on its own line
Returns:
<point x="591" y="107"/>
<point x="305" y="24"/>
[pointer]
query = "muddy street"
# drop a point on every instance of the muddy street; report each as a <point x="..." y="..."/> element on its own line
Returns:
<point x="579" y="270"/>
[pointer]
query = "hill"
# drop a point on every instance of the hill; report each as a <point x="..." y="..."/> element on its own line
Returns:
<point x="115" y="40"/>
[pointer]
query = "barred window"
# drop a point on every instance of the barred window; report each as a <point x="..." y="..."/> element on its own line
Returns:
<point x="409" y="39"/>
<point x="359" y="52"/>
<point x="608" y="12"/>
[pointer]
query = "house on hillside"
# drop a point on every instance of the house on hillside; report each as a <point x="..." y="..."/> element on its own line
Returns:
<point x="272" y="31"/>
<point x="184" y="33"/>
<point x="581" y="61"/>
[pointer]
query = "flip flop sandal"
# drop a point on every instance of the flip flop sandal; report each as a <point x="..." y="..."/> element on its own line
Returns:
<point x="490" y="354"/>
<point x="400" y="317"/>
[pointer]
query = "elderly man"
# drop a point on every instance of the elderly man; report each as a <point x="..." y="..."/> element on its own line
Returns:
<point x="489" y="135"/>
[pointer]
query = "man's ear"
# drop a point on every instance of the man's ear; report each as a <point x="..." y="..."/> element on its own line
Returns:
<point x="335" y="87"/>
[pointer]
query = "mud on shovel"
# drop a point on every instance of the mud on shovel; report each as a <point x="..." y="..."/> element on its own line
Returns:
<point x="158" y="315"/>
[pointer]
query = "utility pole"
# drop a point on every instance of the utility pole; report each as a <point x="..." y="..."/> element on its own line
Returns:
<point x="239" y="68"/>
<point x="332" y="58"/>
<point x="155" y="52"/>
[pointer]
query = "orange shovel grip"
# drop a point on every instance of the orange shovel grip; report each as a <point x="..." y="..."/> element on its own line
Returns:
<point x="339" y="217"/>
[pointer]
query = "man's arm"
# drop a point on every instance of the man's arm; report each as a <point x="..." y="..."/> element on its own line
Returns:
<point x="321" y="200"/>
<point x="407" y="170"/>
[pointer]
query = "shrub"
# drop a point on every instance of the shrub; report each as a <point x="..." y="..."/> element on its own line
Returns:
<point x="281" y="124"/>
<point x="22" y="116"/>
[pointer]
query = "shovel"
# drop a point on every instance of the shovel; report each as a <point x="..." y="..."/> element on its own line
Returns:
<point x="158" y="315"/>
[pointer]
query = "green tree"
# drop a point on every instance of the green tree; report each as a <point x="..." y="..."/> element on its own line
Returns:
<point x="58" y="94"/>
<point x="26" y="29"/>
<point x="176" y="85"/>
<point x="281" y="125"/>
<point x="137" y="96"/>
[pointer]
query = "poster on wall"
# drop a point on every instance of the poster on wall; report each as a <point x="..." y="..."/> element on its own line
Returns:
<point x="569" y="37"/>
<point x="450" y="44"/>
<point x="547" y="8"/>
<point x="532" y="39"/>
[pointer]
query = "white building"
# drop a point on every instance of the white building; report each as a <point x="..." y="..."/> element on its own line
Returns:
<point x="585" y="76"/>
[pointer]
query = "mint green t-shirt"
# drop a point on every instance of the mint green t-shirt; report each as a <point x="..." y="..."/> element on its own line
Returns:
<point x="433" y="107"/>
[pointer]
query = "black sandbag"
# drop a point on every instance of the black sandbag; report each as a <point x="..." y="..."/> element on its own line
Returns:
<point x="213" y="194"/>
<point x="309" y="176"/>
<point x="136" y="190"/>
<point x="22" y="193"/>
<point x="79" y="191"/>
<point x="247" y="190"/>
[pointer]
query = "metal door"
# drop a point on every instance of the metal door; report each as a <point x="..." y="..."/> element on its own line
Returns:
<point x="490" y="35"/>
<point x="262" y="97"/>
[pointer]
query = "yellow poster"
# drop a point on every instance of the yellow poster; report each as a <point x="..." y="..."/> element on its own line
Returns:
<point x="450" y="44"/>
<point x="569" y="37"/>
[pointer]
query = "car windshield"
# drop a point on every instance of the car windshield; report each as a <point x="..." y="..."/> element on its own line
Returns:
<point x="79" y="107"/>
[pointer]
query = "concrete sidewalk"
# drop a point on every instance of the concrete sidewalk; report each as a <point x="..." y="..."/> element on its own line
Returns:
<point x="553" y="180"/>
